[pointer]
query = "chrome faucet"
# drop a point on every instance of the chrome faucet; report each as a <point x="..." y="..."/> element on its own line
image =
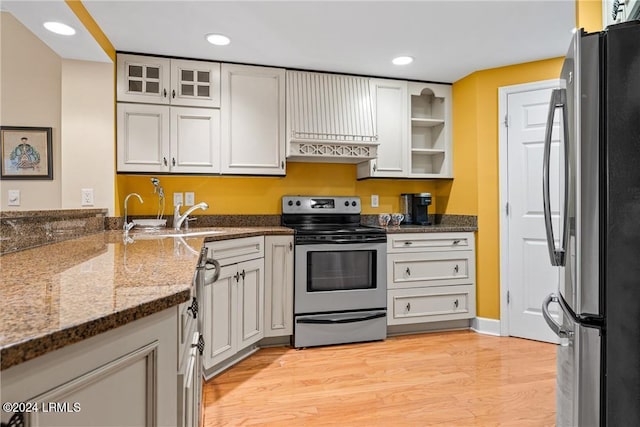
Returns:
<point x="128" y="226"/>
<point x="179" y="219"/>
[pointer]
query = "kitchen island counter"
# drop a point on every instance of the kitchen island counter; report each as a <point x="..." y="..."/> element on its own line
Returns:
<point x="62" y="293"/>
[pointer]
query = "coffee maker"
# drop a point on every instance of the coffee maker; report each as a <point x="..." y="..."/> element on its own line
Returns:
<point x="415" y="208"/>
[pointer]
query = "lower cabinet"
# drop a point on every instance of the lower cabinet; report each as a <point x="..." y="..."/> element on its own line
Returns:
<point x="278" y="275"/>
<point x="233" y="306"/>
<point x="126" y="376"/>
<point x="430" y="277"/>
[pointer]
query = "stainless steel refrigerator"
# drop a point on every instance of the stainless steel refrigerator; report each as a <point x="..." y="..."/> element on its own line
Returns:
<point x="596" y="242"/>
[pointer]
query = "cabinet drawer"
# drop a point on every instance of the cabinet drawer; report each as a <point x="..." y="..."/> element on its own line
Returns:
<point x="419" y="305"/>
<point x="430" y="269"/>
<point x="423" y="242"/>
<point x="236" y="250"/>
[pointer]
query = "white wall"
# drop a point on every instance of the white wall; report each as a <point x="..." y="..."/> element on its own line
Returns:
<point x="76" y="99"/>
<point x="88" y="133"/>
<point x="30" y="90"/>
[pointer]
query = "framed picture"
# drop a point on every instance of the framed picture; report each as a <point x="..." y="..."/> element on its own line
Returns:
<point x="26" y="153"/>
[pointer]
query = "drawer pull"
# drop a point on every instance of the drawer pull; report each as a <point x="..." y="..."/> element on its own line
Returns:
<point x="408" y="272"/>
<point x="455" y="303"/>
<point x="408" y="243"/>
<point x="456" y="268"/>
<point x="456" y="242"/>
<point x="408" y="306"/>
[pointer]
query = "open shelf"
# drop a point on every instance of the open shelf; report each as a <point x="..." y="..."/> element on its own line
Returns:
<point x="426" y="123"/>
<point x="426" y="151"/>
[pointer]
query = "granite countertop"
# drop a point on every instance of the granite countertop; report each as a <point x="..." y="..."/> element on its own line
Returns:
<point x="59" y="294"/>
<point x="436" y="228"/>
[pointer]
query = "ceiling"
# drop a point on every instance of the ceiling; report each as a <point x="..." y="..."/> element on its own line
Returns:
<point x="449" y="39"/>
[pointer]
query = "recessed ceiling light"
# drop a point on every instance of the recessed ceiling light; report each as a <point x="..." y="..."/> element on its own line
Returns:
<point x="59" y="28"/>
<point x="218" y="39"/>
<point x="402" y="60"/>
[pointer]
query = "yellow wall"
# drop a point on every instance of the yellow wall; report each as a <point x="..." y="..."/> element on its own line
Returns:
<point x="475" y="116"/>
<point x="261" y="195"/>
<point x="589" y="15"/>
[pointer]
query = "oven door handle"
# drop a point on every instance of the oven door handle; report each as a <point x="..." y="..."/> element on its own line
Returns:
<point x="344" y="320"/>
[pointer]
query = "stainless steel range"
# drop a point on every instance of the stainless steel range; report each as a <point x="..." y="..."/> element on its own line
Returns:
<point x="340" y="288"/>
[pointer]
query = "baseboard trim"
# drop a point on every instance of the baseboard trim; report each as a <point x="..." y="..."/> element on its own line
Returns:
<point x="486" y="326"/>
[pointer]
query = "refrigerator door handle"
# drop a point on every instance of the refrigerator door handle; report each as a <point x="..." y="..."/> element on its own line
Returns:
<point x="555" y="326"/>
<point x="558" y="100"/>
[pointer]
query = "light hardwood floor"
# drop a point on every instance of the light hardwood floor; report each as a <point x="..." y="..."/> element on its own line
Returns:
<point x="446" y="379"/>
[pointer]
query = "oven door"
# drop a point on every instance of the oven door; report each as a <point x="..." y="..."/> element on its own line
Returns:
<point x="340" y="277"/>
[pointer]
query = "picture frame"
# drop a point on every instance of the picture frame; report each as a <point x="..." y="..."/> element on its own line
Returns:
<point x="26" y="153"/>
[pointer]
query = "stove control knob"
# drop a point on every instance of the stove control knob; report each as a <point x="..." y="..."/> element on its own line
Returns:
<point x="290" y="203"/>
<point x="353" y="203"/>
<point x="346" y="203"/>
<point x="298" y="203"/>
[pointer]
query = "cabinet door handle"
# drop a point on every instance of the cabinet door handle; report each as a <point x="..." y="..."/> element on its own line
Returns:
<point x="282" y="164"/>
<point x="164" y="159"/>
<point x="242" y="274"/>
<point x="408" y="271"/>
<point x="173" y="161"/>
<point x="455" y="303"/>
<point x="375" y="167"/>
<point x="194" y="308"/>
<point x="164" y="93"/>
<point x="408" y="306"/>
<point x="173" y="93"/>
<point x="237" y="277"/>
<point x="290" y="246"/>
<point x="456" y="268"/>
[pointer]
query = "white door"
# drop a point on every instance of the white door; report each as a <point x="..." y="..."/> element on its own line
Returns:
<point x="219" y="324"/>
<point x="195" y="140"/>
<point x="529" y="275"/>
<point x="253" y="120"/>
<point x="390" y="99"/>
<point x="143" y="138"/>
<point x="195" y="83"/>
<point x="250" y="302"/>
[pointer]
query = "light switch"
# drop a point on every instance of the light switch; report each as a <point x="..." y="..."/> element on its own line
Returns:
<point x="14" y="198"/>
<point x="189" y="198"/>
<point x="374" y="201"/>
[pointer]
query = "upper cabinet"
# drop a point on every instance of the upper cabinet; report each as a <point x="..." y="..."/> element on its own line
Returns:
<point x="414" y="131"/>
<point x="431" y="152"/>
<point x="154" y="138"/>
<point x="253" y="120"/>
<point x="154" y="80"/>
<point x="390" y="113"/>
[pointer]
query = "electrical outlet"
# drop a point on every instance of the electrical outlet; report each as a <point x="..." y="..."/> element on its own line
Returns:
<point x="14" y="198"/>
<point x="374" y="201"/>
<point x="87" y="197"/>
<point x="177" y="198"/>
<point x="189" y="198"/>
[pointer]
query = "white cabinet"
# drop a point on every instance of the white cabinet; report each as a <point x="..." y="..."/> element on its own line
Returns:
<point x="253" y="120"/>
<point x="414" y="131"/>
<point x="390" y="101"/>
<point x="278" y="275"/>
<point x="430" y="277"/>
<point x="149" y="79"/>
<point x="430" y="127"/>
<point x="126" y="376"/>
<point x="155" y="138"/>
<point x="233" y="306"/>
